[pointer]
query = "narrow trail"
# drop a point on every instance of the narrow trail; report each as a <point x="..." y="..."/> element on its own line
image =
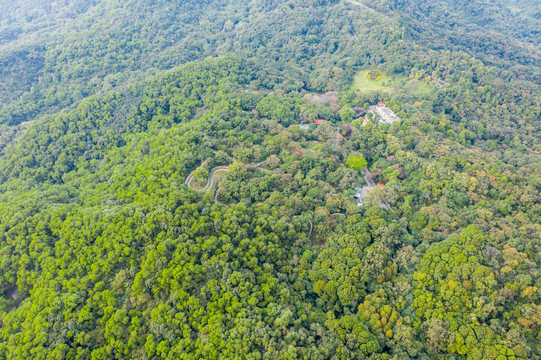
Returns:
<point x="311" y="226"/>
<point x="259" y="164"/>
<point x="367" y="8"/>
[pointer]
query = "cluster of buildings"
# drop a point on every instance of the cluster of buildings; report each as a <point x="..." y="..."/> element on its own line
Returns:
<point x="386" y="115"/>
<point x="381" y="111"/>
<point x="318" y="122"/>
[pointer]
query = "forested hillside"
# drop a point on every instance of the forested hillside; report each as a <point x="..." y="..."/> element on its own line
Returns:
<point x="182" y="180"/>
<point x="504" y="33"/>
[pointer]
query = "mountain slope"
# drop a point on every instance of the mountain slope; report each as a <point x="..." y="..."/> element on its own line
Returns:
<point x="107" y="251"/>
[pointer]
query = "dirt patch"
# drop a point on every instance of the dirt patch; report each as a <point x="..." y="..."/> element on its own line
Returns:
<point x="321" y="98"/>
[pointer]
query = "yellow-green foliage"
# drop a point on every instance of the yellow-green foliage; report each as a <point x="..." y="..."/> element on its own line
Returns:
<point x="378" y="314"/>
<point x="454" y="287"/>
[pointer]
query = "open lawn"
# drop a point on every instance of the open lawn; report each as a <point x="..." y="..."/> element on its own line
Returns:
<point x="361" y="82"/>
<point x="389" y="84"/>
<point x="219" y="177"/>
<point x="418" y="88"/>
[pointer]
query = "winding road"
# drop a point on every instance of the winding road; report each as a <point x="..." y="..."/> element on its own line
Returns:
<point x="210" y="181"/>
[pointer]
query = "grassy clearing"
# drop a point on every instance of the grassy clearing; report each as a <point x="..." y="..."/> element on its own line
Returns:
<point x="219" y="177"/>
<point x="418" y="88"/>
<point x="388" y="84"/>
<point x="361" y="82"/>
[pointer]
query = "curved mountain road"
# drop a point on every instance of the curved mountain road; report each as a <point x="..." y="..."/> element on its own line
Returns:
<point x="210" y="181"/>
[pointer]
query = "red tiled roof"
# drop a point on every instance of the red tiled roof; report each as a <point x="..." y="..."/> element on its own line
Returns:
<point x="320" y="121"/>
<point x="381" y="103"/>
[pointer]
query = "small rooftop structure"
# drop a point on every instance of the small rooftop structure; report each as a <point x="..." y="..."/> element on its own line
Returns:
<point x="438" y="82"/>
<point x="338" y="139"/>
<point x="358" y="199"/>
<point x="361" y="195"/>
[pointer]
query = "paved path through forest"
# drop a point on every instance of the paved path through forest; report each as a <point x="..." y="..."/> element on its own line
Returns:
<point x="259" y="164"/>
<point x="367" y="9"/>
<point x="210" y="181"/>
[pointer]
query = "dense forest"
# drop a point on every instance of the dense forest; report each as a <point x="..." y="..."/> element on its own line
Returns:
<point x="178" y="180"/>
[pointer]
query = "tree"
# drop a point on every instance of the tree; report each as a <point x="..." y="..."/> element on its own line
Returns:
<point x="356" y="162"/>
<point x="201" y="174"/>
<point x="437" y="334"/>
<point x="221" y="157"/>
<point x="346" y="114"/>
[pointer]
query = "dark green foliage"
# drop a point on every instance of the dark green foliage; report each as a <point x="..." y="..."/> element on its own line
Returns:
<point x="106" y="253"/>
